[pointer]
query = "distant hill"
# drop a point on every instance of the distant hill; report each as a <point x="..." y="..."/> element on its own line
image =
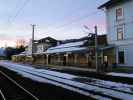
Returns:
<point x="2" y="52"/>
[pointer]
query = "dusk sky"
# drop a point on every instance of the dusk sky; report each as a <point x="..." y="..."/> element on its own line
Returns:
<point x="60" y="19"/>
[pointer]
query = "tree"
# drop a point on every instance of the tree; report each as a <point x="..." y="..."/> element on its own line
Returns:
<point x="20" y="43"/>
<point x="9" y="51"/>
<point x="20" y="49"/>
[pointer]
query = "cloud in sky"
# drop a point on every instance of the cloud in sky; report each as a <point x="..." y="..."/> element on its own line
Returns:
<point x="53" y="18"/>
<point x="7" y="43"/>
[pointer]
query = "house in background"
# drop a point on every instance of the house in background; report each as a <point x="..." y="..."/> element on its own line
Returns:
<point x="40" y="45"/>
<point x="119" y="18"/>
<point x="77" y="52"/>
<point x="28" y="49"/>
<point x="74" y="52"/>
<point x="70" y="53"/>
<point x="45" y="43"/>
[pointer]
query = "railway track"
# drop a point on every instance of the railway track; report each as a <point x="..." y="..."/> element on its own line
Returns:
<point x="2" y="97"/>
<point x="91" y="90"/>
<point x="11" y="90"/>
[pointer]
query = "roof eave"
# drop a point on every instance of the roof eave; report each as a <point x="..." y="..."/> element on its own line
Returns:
<point x="104" y="5"/>
<point x="100" y="7"/>
<point x="111" y="3"/>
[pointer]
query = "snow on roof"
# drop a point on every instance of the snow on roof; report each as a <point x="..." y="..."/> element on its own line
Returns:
<point x="68" y="47"/>
<point x="22" y="53"/>
<point x="65" y="49"/>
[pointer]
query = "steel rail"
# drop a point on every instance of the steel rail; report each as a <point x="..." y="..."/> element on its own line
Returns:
<point x="3" y="97"/>
<point x="18" y="85"/>
<point x="77" y="81"/>
<point x="90" y="91"/>
<point x="90" y="83"/>
<point x="54" y="77"/>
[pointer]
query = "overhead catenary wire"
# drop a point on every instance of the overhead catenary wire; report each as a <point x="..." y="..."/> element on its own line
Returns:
<point x="60" y="27"/>
<point x="15" y="7"/>
<point x="12" y="19"/>
<point x="57" y="28"/>
<point x="77" y="20"/>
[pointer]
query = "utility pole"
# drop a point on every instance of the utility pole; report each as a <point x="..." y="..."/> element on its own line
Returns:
<point x="96" y="46"/>
<point x="96" y="50"/>
<point x="33" y="30"/>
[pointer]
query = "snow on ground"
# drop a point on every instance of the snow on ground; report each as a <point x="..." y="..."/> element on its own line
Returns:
<point x="43" y="75"/>
<point x="28" y="67"/>
<point x="113" y="85"/>
<point x="58" y="74"/>
<point x="43" y="80"/>
<point x="121" y="74"/>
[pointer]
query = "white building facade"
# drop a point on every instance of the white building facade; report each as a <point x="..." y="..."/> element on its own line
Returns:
<point x="119" y="18"/>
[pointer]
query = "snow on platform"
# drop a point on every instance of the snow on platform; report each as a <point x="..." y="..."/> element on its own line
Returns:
<point x="32" y="69"/>
<point x="113" y="85"/>
<point x="121" y="74"/>
<point x="57" y="78"/>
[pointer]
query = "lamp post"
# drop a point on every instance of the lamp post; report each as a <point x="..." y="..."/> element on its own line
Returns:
<point x="96" y="45"/>
<point x="33" y="31"/>
<point x="96" y="49"/>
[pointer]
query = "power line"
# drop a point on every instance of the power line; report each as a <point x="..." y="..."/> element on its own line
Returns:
<point x="74" y="21"/>
<point x="60" y="27"/>
<point x="18" y="12"/>
<point x="16" y="6"/>
<point x="81" y="18"/>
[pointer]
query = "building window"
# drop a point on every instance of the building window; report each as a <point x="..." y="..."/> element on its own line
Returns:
<point x="105" y="58"/>
<point x="121" y="57"/>
<point x="47" y="40"/>
<point x="120" y="32"/>
<point x="119" y="13"/>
